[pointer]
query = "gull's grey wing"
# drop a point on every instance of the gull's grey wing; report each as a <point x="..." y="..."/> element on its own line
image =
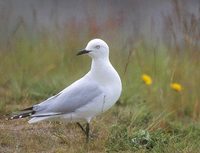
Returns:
<point x="75" y="96"/>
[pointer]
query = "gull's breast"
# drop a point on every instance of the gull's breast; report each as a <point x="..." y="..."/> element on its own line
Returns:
<point x="112" y="95"/>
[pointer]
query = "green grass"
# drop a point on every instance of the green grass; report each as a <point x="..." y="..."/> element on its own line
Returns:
<point x="146" y="119"/>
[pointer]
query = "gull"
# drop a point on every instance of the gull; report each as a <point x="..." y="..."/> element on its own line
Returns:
<point x="93" y="94"/>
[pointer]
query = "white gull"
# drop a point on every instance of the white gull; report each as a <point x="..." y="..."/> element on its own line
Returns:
<point x="93" y="94"/>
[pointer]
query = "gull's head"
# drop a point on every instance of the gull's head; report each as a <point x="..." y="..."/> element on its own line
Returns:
<point x="96" y="48"/>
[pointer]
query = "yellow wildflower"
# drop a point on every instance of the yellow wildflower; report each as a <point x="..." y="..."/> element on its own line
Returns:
<point x="147" y="79"/>
<point x="176" y="86"/>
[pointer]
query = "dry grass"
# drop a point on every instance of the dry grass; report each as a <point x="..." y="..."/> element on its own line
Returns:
<point x="18" y="136"/>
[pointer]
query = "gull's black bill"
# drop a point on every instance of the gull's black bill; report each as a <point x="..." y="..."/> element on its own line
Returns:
<point x="83" y="52"/>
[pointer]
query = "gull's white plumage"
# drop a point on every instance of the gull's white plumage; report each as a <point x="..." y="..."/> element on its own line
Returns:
<point x="93" y="94"/>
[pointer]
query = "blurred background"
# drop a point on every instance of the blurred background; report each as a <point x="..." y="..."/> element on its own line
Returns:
<point x="154" y="21"/>
<point x="39" y="40"/>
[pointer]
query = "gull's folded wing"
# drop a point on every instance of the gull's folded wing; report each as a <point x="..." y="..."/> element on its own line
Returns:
<point x="68" y="100"/>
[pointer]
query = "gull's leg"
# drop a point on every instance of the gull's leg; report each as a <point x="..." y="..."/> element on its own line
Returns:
<point x="87" y="130"/>
<point x="81" y="127"/>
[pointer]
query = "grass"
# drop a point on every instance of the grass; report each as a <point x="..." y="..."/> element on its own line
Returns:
<point x="146" y="119"/>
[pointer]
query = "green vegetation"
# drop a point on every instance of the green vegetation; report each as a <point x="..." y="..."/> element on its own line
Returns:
<point x="147" y="118"/>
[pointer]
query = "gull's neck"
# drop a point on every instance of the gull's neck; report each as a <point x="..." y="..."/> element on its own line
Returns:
<point x="102" y="70"/>
<point x="99" y="63"/>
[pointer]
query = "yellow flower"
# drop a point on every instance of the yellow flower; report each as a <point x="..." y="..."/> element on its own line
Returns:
<point x="147" y="79"/>
<point x="176" y="86"/>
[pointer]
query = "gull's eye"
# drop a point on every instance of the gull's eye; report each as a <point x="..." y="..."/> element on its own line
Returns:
<point x="97" y="46"/>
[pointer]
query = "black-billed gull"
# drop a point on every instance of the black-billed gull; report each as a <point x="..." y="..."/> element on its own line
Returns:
<point x="93" y="94"/>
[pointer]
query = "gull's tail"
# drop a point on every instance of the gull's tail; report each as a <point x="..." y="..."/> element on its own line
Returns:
<point x="23" y="113"/>
<point x="30" y="112"/>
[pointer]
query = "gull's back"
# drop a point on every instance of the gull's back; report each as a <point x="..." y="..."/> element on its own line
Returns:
<point x="69" y="101"/>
